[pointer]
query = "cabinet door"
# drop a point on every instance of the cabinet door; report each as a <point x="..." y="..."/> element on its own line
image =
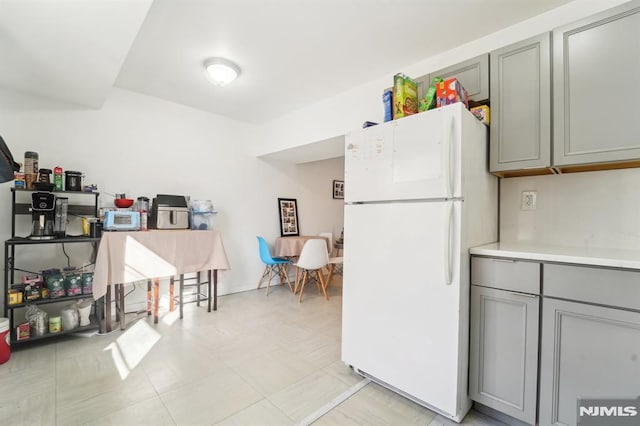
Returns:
<point x="473" y="74"/>
<point x="520" y="126"/>
<point x="587" y="352"/>
<point x="596" y="77"/>
<point x="503" y="371"/>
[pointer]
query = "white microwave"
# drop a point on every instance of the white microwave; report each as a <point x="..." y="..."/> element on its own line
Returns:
<point x="121" y="220"/>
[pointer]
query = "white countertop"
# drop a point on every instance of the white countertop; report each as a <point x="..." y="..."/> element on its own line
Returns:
<point x="615" y="258"/>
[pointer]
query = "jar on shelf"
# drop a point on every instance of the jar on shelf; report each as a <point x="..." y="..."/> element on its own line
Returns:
<point x="30" y="168"/>
<point x="73" y="181"/>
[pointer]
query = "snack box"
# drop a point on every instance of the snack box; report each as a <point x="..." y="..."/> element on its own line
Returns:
<point x="405" y="96"/>
<point x="449" y="92"/>
<point x="32" y="291"/>
<point x="23" y="331"/>
<point x="482" y="113"/>
<point x="15" y="296"/>
<point x="387" y="104"/>
<point x="19" y="180"/>
<point x="30" y="279"/>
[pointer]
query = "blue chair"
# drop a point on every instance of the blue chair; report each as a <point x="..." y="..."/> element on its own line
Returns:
<point x="272" y="264"/>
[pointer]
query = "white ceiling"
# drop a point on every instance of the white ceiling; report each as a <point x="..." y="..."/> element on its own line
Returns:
<point x="68" y="50"/>
<point x="292" y="52"/>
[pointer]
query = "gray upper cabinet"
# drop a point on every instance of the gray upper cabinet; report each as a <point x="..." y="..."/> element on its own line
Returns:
<point x="423" y="84"/>
<point x="520" y="126"/>
<point x="596" y="77"/>
<point x="473" y="74"/>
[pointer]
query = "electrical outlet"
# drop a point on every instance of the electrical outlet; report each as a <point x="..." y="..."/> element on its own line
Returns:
<point x="529" y="199"/>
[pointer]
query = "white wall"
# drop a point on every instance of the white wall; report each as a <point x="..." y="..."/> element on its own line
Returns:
<point x="143" y="146"/>
<point x="596" y="209"/>
<point x="343" y="113"/>
<point x="590" y="209"/>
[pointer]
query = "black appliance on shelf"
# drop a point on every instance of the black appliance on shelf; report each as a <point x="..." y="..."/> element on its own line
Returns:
<point x="43" y="215"/>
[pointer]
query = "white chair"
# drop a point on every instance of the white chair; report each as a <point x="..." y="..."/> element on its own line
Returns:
<point x="335" y="263"/>
<point x="335" y="267"/>
<point x="329" y="237"/>
<point x="313" y="258"/>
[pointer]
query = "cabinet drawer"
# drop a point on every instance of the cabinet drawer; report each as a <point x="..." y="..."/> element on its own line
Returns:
<point x="613" y="287"/>
<point x="506" y="274"/>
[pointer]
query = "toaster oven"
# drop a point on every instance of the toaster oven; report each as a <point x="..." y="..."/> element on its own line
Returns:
<point x="115" y="220"/>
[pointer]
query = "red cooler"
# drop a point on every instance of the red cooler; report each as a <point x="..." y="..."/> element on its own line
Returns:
<point x="5" y="336"/>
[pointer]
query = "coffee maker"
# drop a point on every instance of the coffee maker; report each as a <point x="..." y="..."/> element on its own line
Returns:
<point x="42" y="215"/>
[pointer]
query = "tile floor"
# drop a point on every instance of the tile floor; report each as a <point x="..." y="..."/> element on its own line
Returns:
<point x="256" y="361"/>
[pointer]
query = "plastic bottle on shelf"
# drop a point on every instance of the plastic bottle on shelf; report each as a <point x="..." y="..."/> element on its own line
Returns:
<point x="142" y="205"/>
<point x="57" y="178"/>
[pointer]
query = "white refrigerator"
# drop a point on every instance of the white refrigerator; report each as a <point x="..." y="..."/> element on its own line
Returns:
<point x="417" y="195"/>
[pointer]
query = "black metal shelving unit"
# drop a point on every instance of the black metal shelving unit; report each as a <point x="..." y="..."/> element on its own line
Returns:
<point x="94" y="325"/>
<point x="19" y="208"/>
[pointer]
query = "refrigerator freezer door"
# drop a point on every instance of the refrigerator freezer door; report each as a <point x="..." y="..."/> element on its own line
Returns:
<point x="416" y="157"/>
<point x="401" y="319"/>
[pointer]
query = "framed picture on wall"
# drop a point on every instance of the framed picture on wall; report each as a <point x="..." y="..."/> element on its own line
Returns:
<point x="338" y="189"/>
<point x="288" y="208"/>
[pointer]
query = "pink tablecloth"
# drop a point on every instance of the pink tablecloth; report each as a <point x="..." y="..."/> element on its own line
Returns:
<point x="131" y="256"/>
<point x="292" y="246"/>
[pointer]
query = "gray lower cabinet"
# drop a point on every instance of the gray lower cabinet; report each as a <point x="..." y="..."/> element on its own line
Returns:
<point x="503" y="353"/>
<point x="596" y="80"/>
<point x="588" y="351"/>
<point x="503" y="371"/>
<point x="520" y="127"/>
<point x="473" y="74"/>
<point x="588" y="340"/>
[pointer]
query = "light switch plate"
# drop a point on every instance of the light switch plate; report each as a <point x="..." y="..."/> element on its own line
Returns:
<point x="529" y="200"/>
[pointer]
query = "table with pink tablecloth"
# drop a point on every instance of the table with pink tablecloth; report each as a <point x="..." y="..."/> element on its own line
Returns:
<point x="125" y="257"/>
<point x="292" y="246"/>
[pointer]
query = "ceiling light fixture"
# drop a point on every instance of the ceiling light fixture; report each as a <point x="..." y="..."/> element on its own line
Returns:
<point x="221" y="71"/>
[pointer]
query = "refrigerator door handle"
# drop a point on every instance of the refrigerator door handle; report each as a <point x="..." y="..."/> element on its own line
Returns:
<point x="447" y="245"/>
<point x="448" y="162"/>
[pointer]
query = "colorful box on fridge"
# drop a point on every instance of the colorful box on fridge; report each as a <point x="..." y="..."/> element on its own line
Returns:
<point x="405" y="96"/>
<point x="387" y="104"/>
<point x="482" y="113"/>
<point x="451" y="91"/>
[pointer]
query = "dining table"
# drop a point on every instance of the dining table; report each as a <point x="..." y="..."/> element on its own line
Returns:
<point x="292" y="246"/>
<point x="126" y="257"/>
